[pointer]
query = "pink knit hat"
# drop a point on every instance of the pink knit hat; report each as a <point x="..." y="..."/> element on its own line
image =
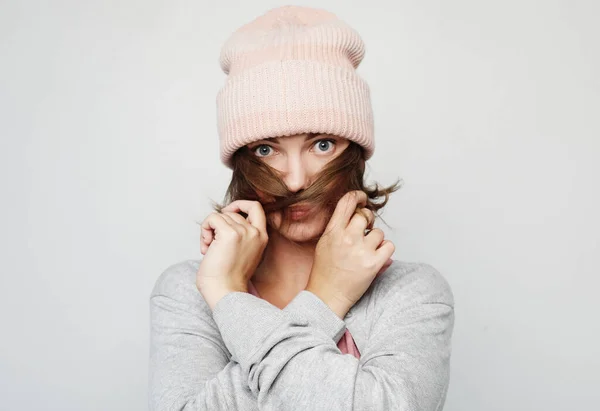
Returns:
<point x="292" y="71"/>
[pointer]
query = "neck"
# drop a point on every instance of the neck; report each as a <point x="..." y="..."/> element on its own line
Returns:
<point x="285" y="265"/>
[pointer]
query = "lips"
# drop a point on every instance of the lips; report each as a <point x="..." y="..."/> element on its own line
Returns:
<point x="301" y="206"/>
<point x="299" y="211"/>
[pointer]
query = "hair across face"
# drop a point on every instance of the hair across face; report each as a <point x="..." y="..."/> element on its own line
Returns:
<point x="258" y="177"/>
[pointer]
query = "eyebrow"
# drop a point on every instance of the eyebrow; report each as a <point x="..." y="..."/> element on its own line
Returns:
<point x="278" y="141"/>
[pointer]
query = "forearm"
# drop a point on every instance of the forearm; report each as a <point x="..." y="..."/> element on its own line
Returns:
<point x="189" y="368"/>
<point x="179" y="385"/>
<point x="292" y="365"/>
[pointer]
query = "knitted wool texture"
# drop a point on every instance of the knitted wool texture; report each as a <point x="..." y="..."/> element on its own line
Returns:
<point x="293" y="71"/>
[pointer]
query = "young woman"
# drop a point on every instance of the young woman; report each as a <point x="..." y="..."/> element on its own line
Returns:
<point x="296" y="303"/>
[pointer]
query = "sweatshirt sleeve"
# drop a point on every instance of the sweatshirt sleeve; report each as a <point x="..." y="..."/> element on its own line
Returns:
<point x="189" y="368"/>
<point x="291" y="363"/>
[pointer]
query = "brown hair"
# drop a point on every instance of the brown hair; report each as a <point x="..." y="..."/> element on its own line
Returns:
<point x="342" y="174"/>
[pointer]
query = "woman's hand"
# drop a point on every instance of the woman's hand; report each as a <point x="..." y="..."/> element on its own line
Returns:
<point x="233" y="247"/>
<point x="346" y="260"/>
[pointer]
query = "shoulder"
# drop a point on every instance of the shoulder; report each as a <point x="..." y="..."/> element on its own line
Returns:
<point x="411" y="283"/>
<point x="178" y="281"/>
<point x="407" y="294"/>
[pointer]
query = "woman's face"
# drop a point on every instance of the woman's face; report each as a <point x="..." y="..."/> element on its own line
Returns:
<point x="299" y="158"/>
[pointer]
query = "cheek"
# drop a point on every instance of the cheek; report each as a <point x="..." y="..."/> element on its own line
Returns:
<point x="263" y="197"/>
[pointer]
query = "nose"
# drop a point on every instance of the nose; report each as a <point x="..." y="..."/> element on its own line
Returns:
<point x="297" y="176"/>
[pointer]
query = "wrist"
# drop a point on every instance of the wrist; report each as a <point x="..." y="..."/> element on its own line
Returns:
<point x="339" y="306"/>
<point x="213" y="293"/>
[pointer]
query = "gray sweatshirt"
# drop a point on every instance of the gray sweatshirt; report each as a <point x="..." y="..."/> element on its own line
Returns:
<point x="248" y="354"/>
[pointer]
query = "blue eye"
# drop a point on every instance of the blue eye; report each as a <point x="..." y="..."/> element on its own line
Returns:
<point x="263" y="149"/>
<point x="324" y="145"/>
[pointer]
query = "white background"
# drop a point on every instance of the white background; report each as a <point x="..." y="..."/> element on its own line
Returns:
<point x="489" y="112"/>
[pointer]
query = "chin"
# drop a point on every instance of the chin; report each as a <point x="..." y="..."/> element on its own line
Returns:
<point x="303" y="232"/>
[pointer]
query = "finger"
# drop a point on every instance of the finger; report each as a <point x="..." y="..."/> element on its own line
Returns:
<point x="346" y="207"/>
<point x="229" y="220"/>
<point x="385" y="251"/>
<point x="206" y="237"/>
<point x="205" y="240"/>
<point x="238" y="219"/>
<point x="254" y="210"/>
<point x="362" y="220"/>
<point x="215" y="222"/>
<point x="369" y="214"/>
<point x="239" y="228"/>
<point x="207" y="233"/>
<point x="374" y="238"/>
<point x="204" y="245"/>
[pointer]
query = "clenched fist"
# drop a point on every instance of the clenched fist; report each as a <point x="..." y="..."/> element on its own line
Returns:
<point x="346" y="260"/>
<point x="233" y="247"/>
